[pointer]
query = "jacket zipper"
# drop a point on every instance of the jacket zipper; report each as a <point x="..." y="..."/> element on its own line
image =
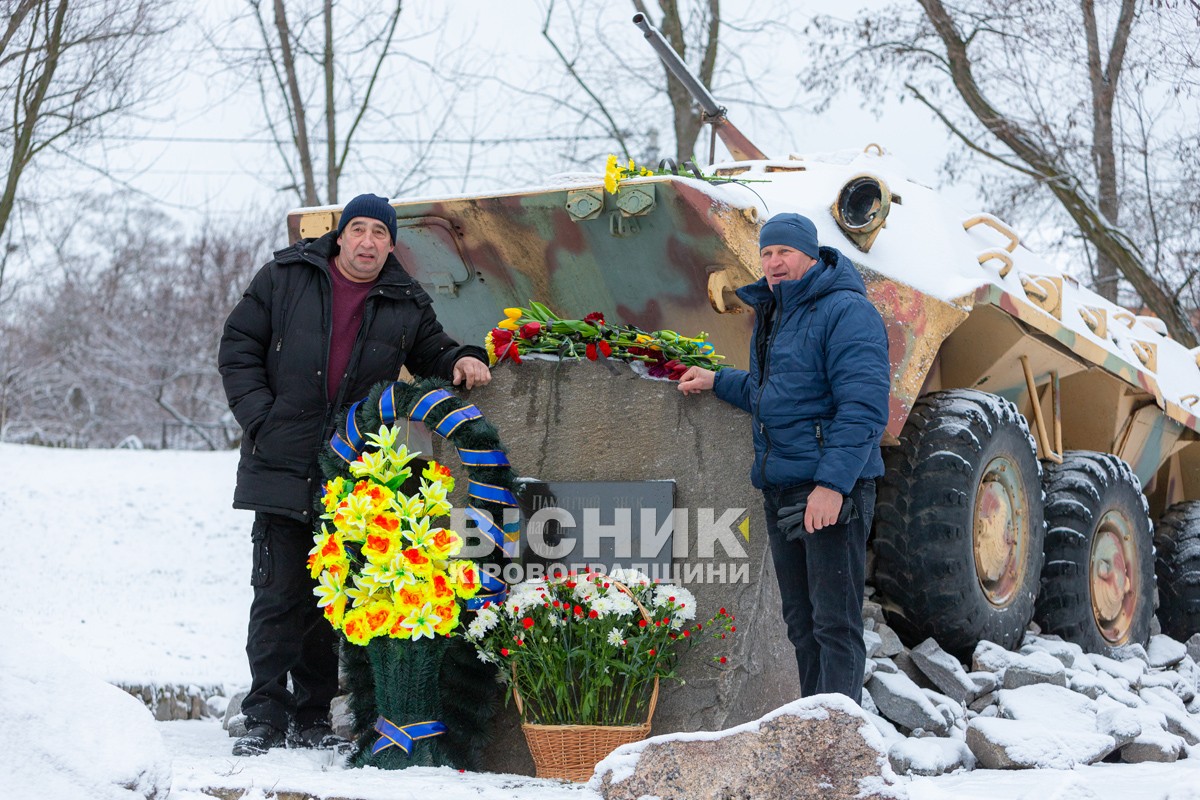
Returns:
<point x="762" y="384"/>
<point x="820" y="438"/>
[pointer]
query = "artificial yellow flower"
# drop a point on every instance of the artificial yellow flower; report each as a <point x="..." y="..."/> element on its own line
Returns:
<point x="422" y="622"/>
<point x="328" y="549"/>
<point x="464" y="577"/>
<point x="381" y="545"/>
<point x="449" y="614"/>
<point x="331" y="594"/>
<point x="378" y="617"/>
<point x="354" y="625"/>
<point x="364" y="588"/>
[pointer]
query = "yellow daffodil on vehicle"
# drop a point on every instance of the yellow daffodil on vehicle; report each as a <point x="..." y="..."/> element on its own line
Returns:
<point x="615" y="172"/>
<point x="383" y="565"/>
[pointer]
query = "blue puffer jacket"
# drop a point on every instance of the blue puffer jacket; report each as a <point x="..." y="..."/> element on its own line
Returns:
<point x="818" y="384"/>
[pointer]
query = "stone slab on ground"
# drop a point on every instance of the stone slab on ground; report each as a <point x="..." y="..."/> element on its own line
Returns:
<point x="904" y="703"/>
<point x="817" y="748"/>
<point x="944" y="670"/>
<point x="1015" y="744"/>
<point x="930" y="756"/>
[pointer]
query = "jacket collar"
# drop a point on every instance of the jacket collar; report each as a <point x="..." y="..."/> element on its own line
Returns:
<point x="832" y="272"/>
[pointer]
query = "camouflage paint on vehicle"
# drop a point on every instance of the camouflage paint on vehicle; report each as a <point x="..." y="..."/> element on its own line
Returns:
<point x="669" y="251"/>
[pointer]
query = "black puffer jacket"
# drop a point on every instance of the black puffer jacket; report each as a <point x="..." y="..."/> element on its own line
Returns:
<point x="274" y="354"/>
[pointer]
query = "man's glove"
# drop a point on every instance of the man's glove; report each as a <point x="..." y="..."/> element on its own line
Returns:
<point x="790" y="519"/>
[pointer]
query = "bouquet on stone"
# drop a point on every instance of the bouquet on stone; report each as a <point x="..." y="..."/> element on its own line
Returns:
<point x="588" y="649"/>
<point x="537" y="329"/>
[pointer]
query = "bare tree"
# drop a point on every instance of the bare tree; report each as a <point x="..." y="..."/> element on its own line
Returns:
<point x="68" y="68"/>
<point x="1074" y="100"/>
<point x="320" y="68"/>
<point x="121" y="344"/>
<point x="648" y="98"/>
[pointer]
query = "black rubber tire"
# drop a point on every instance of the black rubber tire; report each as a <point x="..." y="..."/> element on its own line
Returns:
<point x="1177" y="540"/>
<point x="925" y="565"/>
<point x="1079" y="492"/>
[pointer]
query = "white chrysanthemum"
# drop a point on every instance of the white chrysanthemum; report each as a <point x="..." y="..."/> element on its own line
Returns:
<point x="617" y="604"/>
<point x="484" y="621"/>
<point x="486" y="657"/>
<point x="616" y="637"/>
<point x="683" y="600"/>
<point x="525" y="595"/>
<point x="585" y="590"/>
<point x="629" y="577"/>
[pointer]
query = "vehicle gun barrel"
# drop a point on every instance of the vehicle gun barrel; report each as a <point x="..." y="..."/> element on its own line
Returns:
<point x="739" y="146"/>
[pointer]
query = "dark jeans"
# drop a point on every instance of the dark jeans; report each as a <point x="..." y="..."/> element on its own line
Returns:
<point x="821" y="579"/>
<point x="288" y="633"/>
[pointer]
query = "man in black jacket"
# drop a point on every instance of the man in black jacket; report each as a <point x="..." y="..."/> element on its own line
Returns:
<point x="318" y="326"/>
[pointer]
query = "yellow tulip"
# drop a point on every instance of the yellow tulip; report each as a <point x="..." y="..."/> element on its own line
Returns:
<point x="509" y="324"/>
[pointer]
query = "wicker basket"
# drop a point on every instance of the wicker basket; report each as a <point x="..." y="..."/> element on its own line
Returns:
<point x="571" y="752"/>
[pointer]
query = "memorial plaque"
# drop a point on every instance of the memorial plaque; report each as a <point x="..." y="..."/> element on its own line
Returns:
<point x="598" y="524"/>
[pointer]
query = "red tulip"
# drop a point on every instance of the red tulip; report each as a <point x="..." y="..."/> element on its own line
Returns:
<point x="591" y="352"/>
<point x="605" y="348"/>
<point x="530" y="330"/>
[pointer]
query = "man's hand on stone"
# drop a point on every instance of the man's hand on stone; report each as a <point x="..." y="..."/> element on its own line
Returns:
<point x="696" y="380"/>
<point x="824" y="506"/>
<point x="472" y="372"/>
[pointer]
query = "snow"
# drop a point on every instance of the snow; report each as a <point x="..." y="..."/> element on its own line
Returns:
<point x="130" y="567"/>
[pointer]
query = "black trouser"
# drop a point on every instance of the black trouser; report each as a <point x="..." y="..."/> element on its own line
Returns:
<point x="288" y="632"/>
<point x="821" y="579"/>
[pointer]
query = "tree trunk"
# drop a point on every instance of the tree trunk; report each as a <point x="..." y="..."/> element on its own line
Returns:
<point x="297" y="103"/>
<point x="1110" y="241"/>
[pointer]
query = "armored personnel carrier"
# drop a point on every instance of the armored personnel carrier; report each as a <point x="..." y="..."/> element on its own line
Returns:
<point x="1036" y="429"/>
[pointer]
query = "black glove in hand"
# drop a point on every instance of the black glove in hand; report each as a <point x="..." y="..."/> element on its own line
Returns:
<point x="790" y="519"/>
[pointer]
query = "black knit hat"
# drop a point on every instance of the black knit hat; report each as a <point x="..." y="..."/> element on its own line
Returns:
<point x="790" y="230"/>
<point x="372" y="206"/>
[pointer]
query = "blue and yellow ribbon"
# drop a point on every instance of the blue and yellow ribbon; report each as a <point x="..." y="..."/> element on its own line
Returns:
<point x="403" y="736"/>
<point x="423" y="406"/>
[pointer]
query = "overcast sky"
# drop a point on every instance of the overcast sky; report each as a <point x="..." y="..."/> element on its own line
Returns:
<point x="206" y="152"/>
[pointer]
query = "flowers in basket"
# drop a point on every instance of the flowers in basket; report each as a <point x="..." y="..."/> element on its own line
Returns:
<point x="380" y="553"/>
<point x="537" y="329"/>
<point x="588" y="649"/>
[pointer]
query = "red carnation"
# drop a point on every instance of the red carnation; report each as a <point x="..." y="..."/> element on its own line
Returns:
<point x="596" y="318"/>
<point x="527" y="622"/>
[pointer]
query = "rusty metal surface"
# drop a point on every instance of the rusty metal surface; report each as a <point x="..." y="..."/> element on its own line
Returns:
<point x="1001" y="511"/>
<point x="1114" y="588"/>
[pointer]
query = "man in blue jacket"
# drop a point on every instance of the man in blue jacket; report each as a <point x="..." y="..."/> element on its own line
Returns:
<point x="817" y="392"/>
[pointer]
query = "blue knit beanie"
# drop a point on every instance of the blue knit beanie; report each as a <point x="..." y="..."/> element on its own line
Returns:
<point x="790" y="230"/>
<point x="372" y="206"/>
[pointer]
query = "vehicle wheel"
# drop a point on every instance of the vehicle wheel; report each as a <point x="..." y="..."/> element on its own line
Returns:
<point x="1177" y="540"/>
<point x="958" y="526"/>
<point x="1098" y="579"/>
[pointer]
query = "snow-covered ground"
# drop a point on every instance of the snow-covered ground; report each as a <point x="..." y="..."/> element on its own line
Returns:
<point x="130" y="567"/>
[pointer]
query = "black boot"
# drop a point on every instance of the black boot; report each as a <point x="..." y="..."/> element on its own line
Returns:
<point x="260" y="738"/>
<point x="319" y="736"/>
